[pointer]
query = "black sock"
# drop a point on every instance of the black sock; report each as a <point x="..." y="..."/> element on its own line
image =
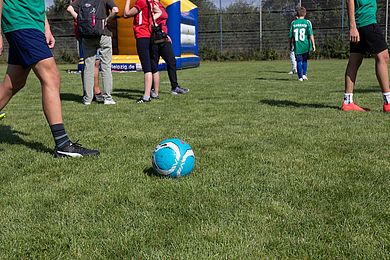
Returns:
<point x="60" y="137"/>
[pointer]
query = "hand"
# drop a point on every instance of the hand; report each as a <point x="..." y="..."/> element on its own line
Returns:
<point x="354" y="35"/>
<point x="314" y="48"/>
<point x="50" y="39"/>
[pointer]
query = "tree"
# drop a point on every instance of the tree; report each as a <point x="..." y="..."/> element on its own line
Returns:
<point x="58" y="9"/>
<point x="241" y="16"/>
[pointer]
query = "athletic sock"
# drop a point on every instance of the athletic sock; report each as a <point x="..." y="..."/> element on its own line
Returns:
<point x="60" y="137"/>
<point x="146" y="97"/>
<point x="348" y="98"/>
<point x="386" y="97"/>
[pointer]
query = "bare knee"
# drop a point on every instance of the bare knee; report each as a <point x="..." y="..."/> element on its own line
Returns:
<point x="382" y="57"/>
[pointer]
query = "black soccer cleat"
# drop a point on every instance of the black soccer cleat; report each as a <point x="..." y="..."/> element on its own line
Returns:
<point x="74" y="150"/>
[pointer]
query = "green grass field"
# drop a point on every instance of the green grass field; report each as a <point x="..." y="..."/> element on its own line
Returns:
<point x="280" y="171"/>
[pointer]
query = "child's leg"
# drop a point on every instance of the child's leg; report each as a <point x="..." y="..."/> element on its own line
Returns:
<point x="49" y="76"/>
<point x="299" y="65"/>
<point x="381" y="69"/>
<point x="304" y="63"/>
<point x="14" y="80"/>
<point x="354" y="62"/>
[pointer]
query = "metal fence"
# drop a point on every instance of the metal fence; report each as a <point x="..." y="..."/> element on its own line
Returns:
<point x="245" y="25"/>
<point x="265" y="25"/>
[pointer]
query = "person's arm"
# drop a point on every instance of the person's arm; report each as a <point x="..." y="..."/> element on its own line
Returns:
<point x="49" y="36"/>
<point x="353" y="32"/>
<point x="313" y="42"/>
<point x="71" y="10"/>
<point x="156" y="12"/>
<point x="129" y="12"/>
<point x="113" y="10"/>
<point x="290" y="39"/>
<point x="1" y="35"/>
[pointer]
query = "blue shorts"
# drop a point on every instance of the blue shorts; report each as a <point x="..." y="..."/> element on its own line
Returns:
<point x="27" y="47"/>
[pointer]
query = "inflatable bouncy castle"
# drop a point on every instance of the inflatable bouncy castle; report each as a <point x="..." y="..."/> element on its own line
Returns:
<point x="182" y="29"/>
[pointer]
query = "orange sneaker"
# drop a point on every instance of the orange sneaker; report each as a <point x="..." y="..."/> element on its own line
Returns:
<point x="386" y="108"/>
<point x="353" y="107"/>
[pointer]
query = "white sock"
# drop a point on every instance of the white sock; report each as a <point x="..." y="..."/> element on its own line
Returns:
<point x="146" y="97"/>
<point x="348" y="98"/>
<point x="386" y="97"/>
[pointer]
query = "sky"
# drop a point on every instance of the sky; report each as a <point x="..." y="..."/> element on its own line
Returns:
<point x="48" y="3"/>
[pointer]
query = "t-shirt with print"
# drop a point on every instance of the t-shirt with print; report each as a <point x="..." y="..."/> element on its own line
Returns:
<point x="365" y="12"/>
<point x="103" y="11"/>
<point x="300" y="31"/>
<point x="23" y="14"/>
<point x="143" y="20"/>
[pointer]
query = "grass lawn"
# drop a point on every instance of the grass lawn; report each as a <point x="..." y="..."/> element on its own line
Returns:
<point x="280" y="171"/>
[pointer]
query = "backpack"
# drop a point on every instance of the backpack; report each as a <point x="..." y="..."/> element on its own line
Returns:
<point x="90" y="25"/>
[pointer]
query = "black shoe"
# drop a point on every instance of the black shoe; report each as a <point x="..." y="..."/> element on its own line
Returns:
<point x="142" y="100"/>
<point x="179" y="90"/>
<point x="74" y="150"/>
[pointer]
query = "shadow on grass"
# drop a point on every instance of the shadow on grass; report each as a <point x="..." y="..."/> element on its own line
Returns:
<point x="371" y="89"/>
<point x="10" y="136"/>
<point x="288" y="103"/>
<point x="152" y="173"/>
<point x="71" y="97"/>
<point x="275" y="71"/>
<point x="128" y="93"/>
<point x="273" y="79"/>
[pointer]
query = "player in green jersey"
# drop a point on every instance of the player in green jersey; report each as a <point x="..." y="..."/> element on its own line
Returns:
<point x="301" y="39"/>
<point x="29" y="37"/>
<point x="365" y="37"/>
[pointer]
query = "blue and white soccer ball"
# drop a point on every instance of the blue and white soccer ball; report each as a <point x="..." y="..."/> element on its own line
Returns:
<point x="173" y="158"/>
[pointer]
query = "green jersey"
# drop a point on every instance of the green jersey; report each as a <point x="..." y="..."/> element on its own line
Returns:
<point x="365" y="12"/>
<point x="300" y="32"/>
<point x="23" y="14"/>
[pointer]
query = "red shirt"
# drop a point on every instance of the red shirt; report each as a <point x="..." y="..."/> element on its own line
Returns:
<point x="143" y="20"/>
<point x="163" y="18"/>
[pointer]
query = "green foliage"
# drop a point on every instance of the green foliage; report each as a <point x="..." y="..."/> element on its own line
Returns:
<point x="58" y="9"/>
<point x="68" y="56"/>
<point x="333" y="48"/>
<point x="212" y="54"/>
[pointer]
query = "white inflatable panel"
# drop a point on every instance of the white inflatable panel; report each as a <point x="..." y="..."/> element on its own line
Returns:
<point x="187" y="39"/>
<point x="187" y="29"/>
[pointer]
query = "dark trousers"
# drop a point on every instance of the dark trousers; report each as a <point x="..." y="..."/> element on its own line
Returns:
<point x="165" y="51"/>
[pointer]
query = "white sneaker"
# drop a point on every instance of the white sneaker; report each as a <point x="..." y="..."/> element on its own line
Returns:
<point x="109" y="101"/>
<point x="301" y="79"/>
<point x="304" y="77"/>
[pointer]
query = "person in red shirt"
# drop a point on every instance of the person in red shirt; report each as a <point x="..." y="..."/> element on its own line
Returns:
<point x="142" y="31"/>
<point x="165" y="51"/>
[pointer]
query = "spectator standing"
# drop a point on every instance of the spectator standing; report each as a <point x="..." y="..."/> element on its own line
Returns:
<point x="91" y="45"/>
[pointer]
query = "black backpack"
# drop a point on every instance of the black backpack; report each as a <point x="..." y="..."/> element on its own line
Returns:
<point x="90" y="25"/>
